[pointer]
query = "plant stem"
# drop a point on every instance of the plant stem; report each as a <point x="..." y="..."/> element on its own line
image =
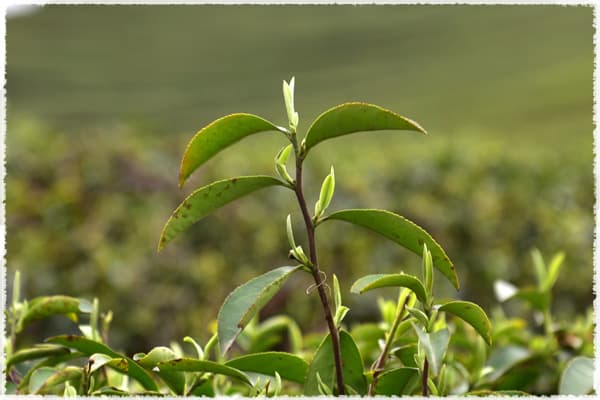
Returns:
<point x="381" y="360"/>
<point x="316" y="273"/>
<point x="425" y="378"/>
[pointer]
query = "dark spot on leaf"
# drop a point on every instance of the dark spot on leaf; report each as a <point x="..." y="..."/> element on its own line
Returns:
<point x="187" y="205"/>
<point x="421" y="242"/>
<point x="234" y="180"/>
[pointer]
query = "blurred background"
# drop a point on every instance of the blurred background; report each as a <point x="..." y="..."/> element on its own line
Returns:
<point x="102" y="100"/>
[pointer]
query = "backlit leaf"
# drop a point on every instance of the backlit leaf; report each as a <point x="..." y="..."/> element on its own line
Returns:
<point x="370" y="282"/>
<point x="402" y="231"/>
<point x="472" y="314"/>
<point x="217" y="136"/>
<point x="209" y="198"/>
<point x="355" y="117"/>
<point x="246" y="300"/>
<point x="42" y="307"/>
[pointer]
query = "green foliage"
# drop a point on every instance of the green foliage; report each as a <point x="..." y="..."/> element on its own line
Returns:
<point x="333" y="364"/>
<point x="402" y="231"/>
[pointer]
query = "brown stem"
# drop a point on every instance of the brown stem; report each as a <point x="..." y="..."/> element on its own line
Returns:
<point x="425" y="378"/>
<point x="310" y="232"/>
<point x="381" y="360"/>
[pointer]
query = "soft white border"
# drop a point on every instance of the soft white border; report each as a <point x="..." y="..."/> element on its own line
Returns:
<point x="596" y="256"/>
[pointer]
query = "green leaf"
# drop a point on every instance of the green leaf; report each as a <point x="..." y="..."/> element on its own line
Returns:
<point x="503" y="393"/>
<point x="90" y="347"/>
<point x="538" y="300"/>
<point x="577" y="377"/>
<point x="42" y="307"/>
<point x="193" y="365"/>
<point x="62" y="375"/>
<point x="323" y="364"/>
<point x="504" y="358"/>
<point x="418" y="315"/>
<point x="98" y="360"/>
<point x="406" y="354"/>
<point x="539" y="266"/>
<point x="434" y="344"/>
<point x="394" y="382"/>
<point x="402" y="231"/>
<point x="209" y="198"/>
<point x="337" y="294"/>
<point x="246" y="300"/>
<point x="289" y="366"/>
<point x="39" y="377"/>
<point x="35" y="352"/>
<point x="374" y="281"/>
<point x="217" y="136"/>
<point x="327" y="189"/>
<point x="553" y="271"/>
<point x="355" y="117"/>
<point x="288" y="97"/>
<point x="472" y="314"/>
<point x="175" y="380"/>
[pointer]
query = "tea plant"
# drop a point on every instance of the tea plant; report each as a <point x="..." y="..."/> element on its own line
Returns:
<point x="416" y="349"/>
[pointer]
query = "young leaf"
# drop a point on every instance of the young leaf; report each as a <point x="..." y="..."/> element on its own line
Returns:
<point x="419" y="316"/>
<point x="197" y="347"/>
<point x="59" y="376"/>
<point x="175" y="380"/>
<point x="246" y="300"/>
<point x="209" y="198"/>
<point x="280" y="161"/>
<point x="327" y="189"/>
<point x="289" y="366"/>
<point x="16" y="294"/>
<point x="434" y="344"/>
<point x="288" y="97"/>
<point x="402" y="231"/>
<point x="337" y="294"/>
<point x="217" y="136"/>
<point x="193" y="365"/>
<point x="553" y="271"/>
<point x="39" y="377"/>
<point x="323" y="364"/>
<point x="539" y="265"/>
<point x="340" y="313"/>
<point x="472" y="314"/>
<point x="324" y="389"/>
<point x="395" y="382"/>
<point x="427" y="271"/>
<point x="355" y="117"/>
<point x="503" y="359"/>
<point x="374" y="281"/>
<point x="577" y="377"/>
<point x="290" y="232"/>
<point x="90" y="347"/>
<point x="42" y="307"/>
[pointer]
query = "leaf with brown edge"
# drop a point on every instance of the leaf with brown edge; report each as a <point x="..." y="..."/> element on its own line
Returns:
<point x="219" y="135"/>
<point x="209" y="198"/>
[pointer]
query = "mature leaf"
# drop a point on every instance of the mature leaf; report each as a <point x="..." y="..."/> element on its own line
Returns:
<point x="375" y="281"/>
<point x="538" y="300"/>
<point x="90" y="347"/>
<point x="406" y="354"/>
<point x="289" y="366"/>
<point x="323" y="364"/>
<point x="355" y="117"/>
<point x="577" y="377"/>
<point x="402" y="231"/>
<point x="435" y="345"/>
<point x="35" y="352"/>
<point x="472" y="314"/>
<point x="209" y="198"/>
<point x="504" y="358"/>
<point x="503" y="393"/>
<point x="42" y="307"/>
<point x="217" y="136"/>
<point x="194" y="365"/>
<point x="175" y="380"/>
<point x="245" y="301"/>
<point x="394" y="382"/>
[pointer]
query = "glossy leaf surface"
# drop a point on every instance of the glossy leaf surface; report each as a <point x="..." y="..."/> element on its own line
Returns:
<point x="90" y="347"/>
<point x="577" y="377"/>
<point x="394" y="382"/>
<point x="42" y="307"/>
<point x="472" y="314"/>
<point x="175" y="380"/>
<point x="217" y="136"/>
<point x="402" y="231"/>
<point x="194" y="365"/>
<point x="245" y="301"/>
<point x="323" y="364"/>
<point x="209" y="198"/>
<point x="35" y="352"/>
<point x="289" y="366"/>
<point x="370" y="282"/>
<point x="356" y="117"/>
